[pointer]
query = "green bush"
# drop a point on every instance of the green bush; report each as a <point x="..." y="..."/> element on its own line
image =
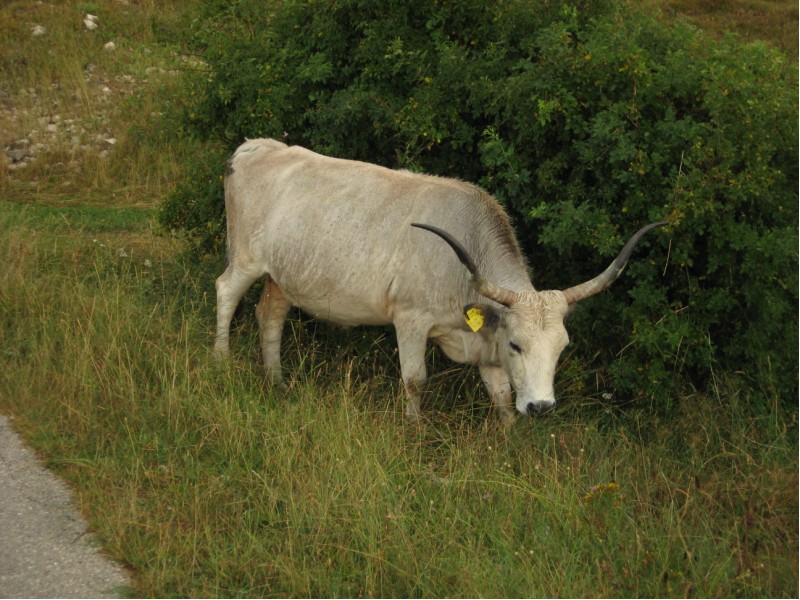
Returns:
<point x="196" y="206"/>
<point x="585" y="119"/>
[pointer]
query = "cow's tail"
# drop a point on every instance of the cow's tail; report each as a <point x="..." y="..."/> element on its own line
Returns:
<point x="227" y="187"/>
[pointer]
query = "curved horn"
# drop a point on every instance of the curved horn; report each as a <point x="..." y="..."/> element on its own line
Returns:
<point x="484" y="288"/>
<point x="607" y="277"/>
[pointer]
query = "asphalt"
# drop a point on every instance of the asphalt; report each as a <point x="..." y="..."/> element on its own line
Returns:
<point x="46" y="547"/>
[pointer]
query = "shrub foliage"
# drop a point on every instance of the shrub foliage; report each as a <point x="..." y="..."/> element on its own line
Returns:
<point x="585" y="119"/>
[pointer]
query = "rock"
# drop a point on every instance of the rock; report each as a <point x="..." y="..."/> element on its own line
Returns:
<point x="110" y="46"/>
<point x="17" y="155"/>
<point x="38" y="30"/>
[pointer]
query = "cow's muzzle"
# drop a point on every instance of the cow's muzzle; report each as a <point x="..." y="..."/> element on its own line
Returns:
<point x="539" y="408"/>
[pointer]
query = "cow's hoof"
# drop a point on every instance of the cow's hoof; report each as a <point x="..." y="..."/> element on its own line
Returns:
<point x="507" y="417"/>
<point x="413" y="414"/>
<point x="277" y="385"/>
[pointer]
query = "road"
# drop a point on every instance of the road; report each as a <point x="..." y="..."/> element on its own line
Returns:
<point x="46" y="548"/>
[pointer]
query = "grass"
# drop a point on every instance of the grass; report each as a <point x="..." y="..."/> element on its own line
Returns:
<point x="67" y="95"/>
<point x="774" y="21"/>
<point x="212" y="484"/>
<point x="207" y="482"/>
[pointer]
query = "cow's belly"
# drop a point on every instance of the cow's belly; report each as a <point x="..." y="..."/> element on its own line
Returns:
<point x="344" y="280"/>
<point x="344" y="311"/>
<point x="340" y="300"/>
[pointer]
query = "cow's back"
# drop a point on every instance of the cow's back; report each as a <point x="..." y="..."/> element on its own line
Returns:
<point x="335" y="234"/>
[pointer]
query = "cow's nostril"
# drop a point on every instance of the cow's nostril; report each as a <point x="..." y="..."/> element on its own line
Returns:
<point x="538" y="408"/>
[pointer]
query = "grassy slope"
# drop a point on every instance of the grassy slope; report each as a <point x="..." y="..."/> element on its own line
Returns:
<point x="206" y="483"/>
<point x="774" y="21"/>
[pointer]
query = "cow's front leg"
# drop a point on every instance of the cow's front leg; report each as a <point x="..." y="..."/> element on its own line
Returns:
<point x="499" y="388"/>
<point x="411" y="341"/>
<point x="271" y="312"/>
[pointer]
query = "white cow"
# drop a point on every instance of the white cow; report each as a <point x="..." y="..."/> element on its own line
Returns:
<point x="346" y="242"/>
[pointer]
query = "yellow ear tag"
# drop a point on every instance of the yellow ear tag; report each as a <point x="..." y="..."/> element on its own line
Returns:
<point x="474" y="318"/>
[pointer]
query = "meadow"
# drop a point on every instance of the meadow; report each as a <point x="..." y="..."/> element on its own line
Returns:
<point x="207" y="482"/>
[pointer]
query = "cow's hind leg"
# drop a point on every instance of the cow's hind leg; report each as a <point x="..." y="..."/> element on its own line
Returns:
<point x="271" y="313"/>
<point x="231" y="286"/>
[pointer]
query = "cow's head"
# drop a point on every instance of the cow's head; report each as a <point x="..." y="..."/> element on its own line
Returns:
<point x="528" y="327"/>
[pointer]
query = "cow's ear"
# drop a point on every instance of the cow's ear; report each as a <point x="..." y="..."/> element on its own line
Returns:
<point x="479" y="316"/>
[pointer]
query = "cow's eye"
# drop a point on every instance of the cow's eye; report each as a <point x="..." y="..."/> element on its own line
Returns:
<point x="515" y="348"/>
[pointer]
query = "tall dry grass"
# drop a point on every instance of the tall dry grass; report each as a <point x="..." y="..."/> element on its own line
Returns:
<point x="207" y="482"/>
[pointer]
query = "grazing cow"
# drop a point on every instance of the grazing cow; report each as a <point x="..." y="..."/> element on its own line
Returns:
<point x="351" y="243"/>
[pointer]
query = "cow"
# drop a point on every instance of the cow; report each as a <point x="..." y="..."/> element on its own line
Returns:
<point x="359" y="244"/>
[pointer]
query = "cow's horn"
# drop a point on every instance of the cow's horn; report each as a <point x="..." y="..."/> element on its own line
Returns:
<point x="607" y="277"/>
<point x="484" y="288"/>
